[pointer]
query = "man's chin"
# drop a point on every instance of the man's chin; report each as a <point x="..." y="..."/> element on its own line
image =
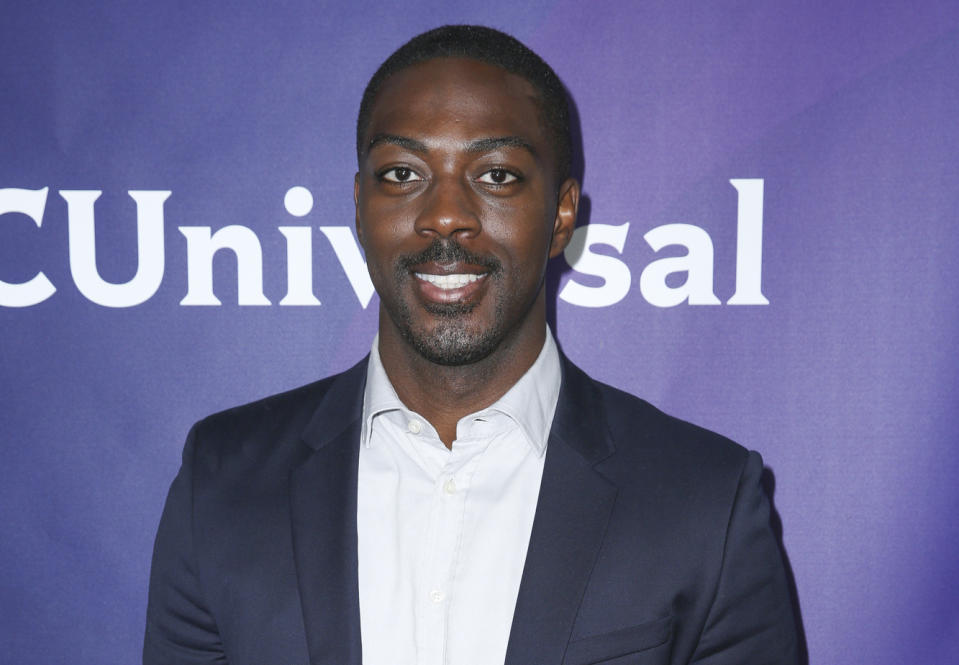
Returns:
<point x="452" y="345"/>
<point x="449" y="310"/>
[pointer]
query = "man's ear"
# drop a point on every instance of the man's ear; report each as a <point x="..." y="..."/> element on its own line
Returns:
<point x="565" y="221"/>
<point x="356" y="207"/>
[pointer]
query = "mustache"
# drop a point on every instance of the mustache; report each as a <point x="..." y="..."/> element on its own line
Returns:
<point x="447" y="250"/>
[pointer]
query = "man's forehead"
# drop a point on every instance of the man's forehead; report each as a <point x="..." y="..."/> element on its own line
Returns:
<point x="452" y="80"/>
<point x="484" y="101"/>
<point x="463" y="67"/>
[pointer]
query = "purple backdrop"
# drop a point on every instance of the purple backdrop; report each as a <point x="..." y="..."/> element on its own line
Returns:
<point x="837" y="127"/>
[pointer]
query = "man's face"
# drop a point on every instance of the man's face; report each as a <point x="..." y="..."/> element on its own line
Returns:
<point x="458" y="208"/>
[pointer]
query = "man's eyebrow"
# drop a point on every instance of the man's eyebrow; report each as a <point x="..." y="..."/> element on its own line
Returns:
<point x="492" y="143"/>
<point x="401" y="141"/>
<point x="479" y="145"/>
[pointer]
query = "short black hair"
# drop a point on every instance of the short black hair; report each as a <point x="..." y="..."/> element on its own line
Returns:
<point x="492" y="47"/>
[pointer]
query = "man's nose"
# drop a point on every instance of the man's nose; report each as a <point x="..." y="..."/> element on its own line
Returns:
<point x="449" y="210"/>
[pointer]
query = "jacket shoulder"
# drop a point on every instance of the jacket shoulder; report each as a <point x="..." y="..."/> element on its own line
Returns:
<point x="642" y="434"/>
<point x="268" y="426"/>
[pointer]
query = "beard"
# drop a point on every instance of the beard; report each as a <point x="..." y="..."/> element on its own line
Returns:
<point x="453" y="340"/>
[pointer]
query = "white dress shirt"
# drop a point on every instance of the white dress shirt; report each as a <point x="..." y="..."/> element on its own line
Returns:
<point x="443" y="533"/>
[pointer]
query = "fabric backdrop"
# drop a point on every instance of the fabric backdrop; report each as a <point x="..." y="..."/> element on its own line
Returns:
<point x="768" y="249"/>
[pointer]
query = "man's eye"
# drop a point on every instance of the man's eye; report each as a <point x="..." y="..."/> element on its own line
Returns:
<point x="400" y="174"/>
<point x="498" y="177"/>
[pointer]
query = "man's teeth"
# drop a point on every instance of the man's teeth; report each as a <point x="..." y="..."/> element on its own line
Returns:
<point x="449" y="281"/>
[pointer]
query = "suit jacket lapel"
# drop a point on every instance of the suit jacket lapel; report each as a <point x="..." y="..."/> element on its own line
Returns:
<point x="323" y="509"/>
<point x="573" y="510"/>
<point x="574" y="506"/>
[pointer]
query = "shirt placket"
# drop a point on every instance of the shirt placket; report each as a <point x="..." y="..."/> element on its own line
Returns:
<point x="447" y="514"/>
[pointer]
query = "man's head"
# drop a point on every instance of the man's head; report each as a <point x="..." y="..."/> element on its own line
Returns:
<point x="492" y="47"/>
<point x="460" y="204"/>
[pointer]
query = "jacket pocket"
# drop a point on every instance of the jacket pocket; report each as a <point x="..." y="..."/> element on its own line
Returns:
<point x="621" y="643"/>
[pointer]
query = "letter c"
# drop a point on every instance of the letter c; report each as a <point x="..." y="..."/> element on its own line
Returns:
<point x="30" y="202"/>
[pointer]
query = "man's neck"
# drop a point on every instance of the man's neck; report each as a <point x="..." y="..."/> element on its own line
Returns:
<point x="443" y="394"/>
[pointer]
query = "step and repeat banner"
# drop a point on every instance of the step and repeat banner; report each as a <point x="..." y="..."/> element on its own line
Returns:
<point x="767" y="247"/>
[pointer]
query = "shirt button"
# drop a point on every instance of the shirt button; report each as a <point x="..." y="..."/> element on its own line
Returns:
<point x="449" y="486"/>
<point x="414" y="426"/>
<point x="437" y="596"/>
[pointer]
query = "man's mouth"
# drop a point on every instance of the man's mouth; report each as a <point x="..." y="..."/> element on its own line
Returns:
<point x="447" y="274"/>
<point x="449" y="282"/>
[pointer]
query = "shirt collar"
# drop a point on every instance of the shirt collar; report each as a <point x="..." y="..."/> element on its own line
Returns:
<point x="530" y="402"/>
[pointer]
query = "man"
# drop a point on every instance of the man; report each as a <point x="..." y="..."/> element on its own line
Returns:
<point x="464" y="495"/>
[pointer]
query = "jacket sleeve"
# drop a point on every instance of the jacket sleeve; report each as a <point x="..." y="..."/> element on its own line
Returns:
<point x="180" y="630"/>
<point x="751" y="620"/>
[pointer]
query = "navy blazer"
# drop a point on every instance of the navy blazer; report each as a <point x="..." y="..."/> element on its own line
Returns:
<point x="650" y="545"/>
